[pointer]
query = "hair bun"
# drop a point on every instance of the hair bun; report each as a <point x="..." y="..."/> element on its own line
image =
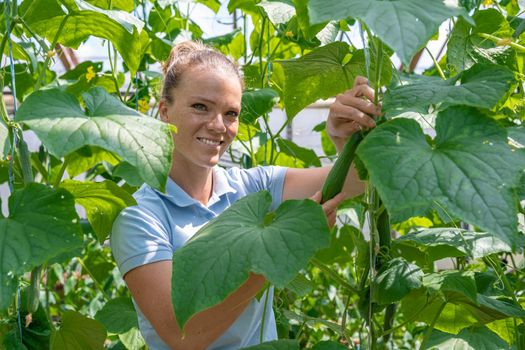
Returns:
<point x="181" y="50"/>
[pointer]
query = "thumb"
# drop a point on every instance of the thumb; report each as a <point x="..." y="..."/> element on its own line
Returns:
<point x="317" y="197"/>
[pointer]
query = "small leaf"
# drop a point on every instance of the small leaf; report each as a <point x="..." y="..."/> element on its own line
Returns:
<point x="278" y="11"/>
<point x="300" y="285"/>
<point x="285" y="344"/>
<point x="78" y="332"/>
<point x="63" y="127"/>
<point x="102" y="201"/>
<point x="395" y="280"/>
<point x="220" y="256"/>
<point x="329" y="345"/>
<point x="118" y="315"/>
<point x="256" y="103"/>
<point x="472" y="338"/>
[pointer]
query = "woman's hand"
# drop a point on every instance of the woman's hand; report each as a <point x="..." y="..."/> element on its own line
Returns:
<point x="352" y="111"/>
<point x="330" y="206"/>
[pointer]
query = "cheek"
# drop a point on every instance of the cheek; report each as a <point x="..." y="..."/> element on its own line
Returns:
<point x="232" y="129"/>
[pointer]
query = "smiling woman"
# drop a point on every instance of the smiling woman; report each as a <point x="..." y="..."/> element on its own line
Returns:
<point x="202" y="98"/>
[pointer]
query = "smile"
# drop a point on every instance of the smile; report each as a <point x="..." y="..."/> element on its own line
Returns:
<point x="210" y="142"/>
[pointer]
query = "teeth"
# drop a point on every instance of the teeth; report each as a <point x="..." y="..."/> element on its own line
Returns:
<point x="210" y="142"/>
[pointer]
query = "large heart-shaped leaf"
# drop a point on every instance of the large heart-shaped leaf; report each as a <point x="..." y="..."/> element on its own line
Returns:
<point x="78" y="332"/>
<point x="472" y="338"/>
<point x="483" y="85"/>
<point x="246" y="237"/>
<point x="63" y="127"/>
<point x="322" y="73"/>
<point x="452" y="281"/>
<point x="83" y="20"/>
<point x="25" y="235"/>
<point x="468" y="171"/>
<point x="102" y="201"/>
<point x="404" y="25"/>
<point x="439" y="243"/>
<point x="118" y="315"/>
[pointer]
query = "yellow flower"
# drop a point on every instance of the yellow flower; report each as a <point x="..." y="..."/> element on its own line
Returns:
<point x="51" y="53"/>
<point x="288" y="34"/>
<point x="90" y="73"/>
<point x="487" y="2"/>
<point x="143" y="105"/>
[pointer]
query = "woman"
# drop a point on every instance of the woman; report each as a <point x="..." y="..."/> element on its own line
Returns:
<point x="202" y="96"/>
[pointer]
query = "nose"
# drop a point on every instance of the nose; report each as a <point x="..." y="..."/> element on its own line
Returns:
<point x="217" y="124"/>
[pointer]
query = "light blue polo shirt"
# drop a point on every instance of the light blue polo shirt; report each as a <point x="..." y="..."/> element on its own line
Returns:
<point x="160" y="223"/>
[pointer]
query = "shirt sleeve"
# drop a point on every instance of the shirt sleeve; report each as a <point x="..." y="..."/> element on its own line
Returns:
<point x="270" y="178"/>
<point x="139" y="238"/>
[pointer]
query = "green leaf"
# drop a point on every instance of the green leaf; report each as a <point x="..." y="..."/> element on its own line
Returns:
<point x="329" y="345"/>
<point x="132" y="339"/>
<point x="469" y="170"/>
<point x="98" y="263"/>
<point x="125" y="5"/>
<point x="19" y="53"/>
<point x="305" y="155"/>
<point x="459" y="311"/>
<point x="78" y="332"/>
<point x="341" y="246"/>
<point x="205" y="275"/>
<point x="118" y="315"/>
<point x="285" y="344"/>
<point x="439" y="243"/>
<point x="404" y="25"/>
<point x="466" y="47"/>
<point x="25" y="237"/>
<point x="322" y="73"/>
<point x="472" y="338"/>
<point x="395" y="280"/>
<point x="63" y="127"/>
<point x="102" y="201"/>
<point x="481" y="86"/>
<point x="300" y="285"/>
<point x="256" y="103"/>
<point x="82" y="21"/>
<point x="213" y="5"/>
<point x="452" y="281"/>
<point x="86" y="158"/>
<point x="278" y="11"/>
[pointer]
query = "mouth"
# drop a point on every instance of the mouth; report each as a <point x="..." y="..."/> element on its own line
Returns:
<point x="210" y="142"/>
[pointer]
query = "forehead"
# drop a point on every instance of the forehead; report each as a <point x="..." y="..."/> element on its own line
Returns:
<point x="210" y="82"/>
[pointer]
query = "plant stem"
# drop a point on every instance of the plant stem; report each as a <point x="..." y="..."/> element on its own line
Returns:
<point x="431" y="326"/>
<point x="61" y="172"/>
<point x="321" y="266"/>
<point x="436" y="64"/>
<point x="264" y="314"/>
<point x="497" y="40"/>
<point x="113" y="76"/>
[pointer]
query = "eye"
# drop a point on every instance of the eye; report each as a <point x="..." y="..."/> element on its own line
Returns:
<point x="199" y="107"/>
<point x="232" y="114"/>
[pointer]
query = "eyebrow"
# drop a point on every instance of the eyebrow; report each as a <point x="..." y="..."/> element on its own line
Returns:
<point x="197" y="97"/>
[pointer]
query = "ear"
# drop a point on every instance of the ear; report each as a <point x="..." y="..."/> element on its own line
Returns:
<point x="163" y="111"/>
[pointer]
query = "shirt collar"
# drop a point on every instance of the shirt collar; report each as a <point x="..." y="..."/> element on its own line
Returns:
<point x="179" y="197"/>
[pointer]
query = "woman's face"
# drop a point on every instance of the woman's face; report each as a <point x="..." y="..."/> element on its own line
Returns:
<point x="205" y="110"/>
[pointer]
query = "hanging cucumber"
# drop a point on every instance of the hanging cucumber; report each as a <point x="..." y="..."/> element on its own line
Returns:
<point x="337" y="176"/>
<point x="33" y="290"/>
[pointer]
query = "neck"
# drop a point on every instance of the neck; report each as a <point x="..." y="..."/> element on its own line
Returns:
<point x="194" y="180"/>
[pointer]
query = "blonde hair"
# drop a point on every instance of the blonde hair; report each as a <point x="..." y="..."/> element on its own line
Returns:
<point x="189" y="54"/>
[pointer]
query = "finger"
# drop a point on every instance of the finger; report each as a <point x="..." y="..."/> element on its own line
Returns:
<point x="331" y="205"/>
<point x="345" y="113"/>
<point x="317" y="197"/>
<point x="363" y="90"/>
<point x="331" y="219"/>
<point x="363" y="105"/>
<point x="360" y="80"/>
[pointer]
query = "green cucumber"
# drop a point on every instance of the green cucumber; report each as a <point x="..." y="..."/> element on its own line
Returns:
<point x="33" y="290"/>
<point x="337" y="176"/>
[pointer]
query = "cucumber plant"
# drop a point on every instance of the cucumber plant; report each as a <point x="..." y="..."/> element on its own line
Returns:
<point x="444" y="169"/>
